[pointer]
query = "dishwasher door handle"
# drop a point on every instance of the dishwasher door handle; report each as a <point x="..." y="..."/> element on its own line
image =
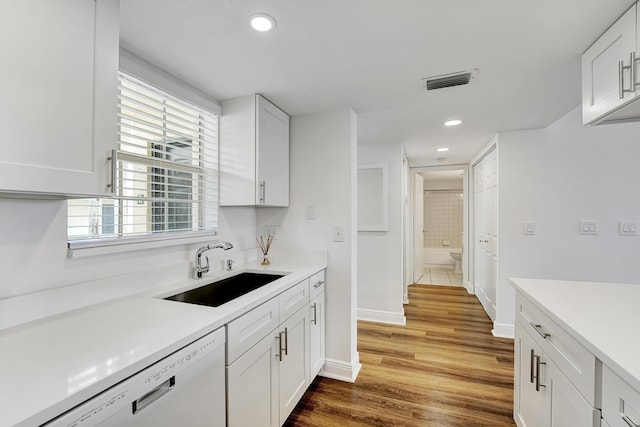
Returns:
<point x="155" y="394"/>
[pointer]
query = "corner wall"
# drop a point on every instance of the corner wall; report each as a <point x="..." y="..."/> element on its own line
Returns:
<point x="555" y="177"/>
<point x="322" y="195"/>
<point x="380" y="263"/>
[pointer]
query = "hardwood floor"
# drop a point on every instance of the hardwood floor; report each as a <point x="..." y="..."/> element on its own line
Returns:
<point x="444" y="368"/>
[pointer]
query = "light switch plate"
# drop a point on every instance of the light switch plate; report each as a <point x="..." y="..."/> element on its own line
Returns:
<point x="628" y="228"/>
<point x="338" y="233"/>
<point x="588" y="227"/>
<point x="528" y="228"/>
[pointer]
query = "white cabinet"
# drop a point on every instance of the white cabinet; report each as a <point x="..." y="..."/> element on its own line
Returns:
<point x="620" y="402"/>
<point x="610" y="81"/>
<point x="316" y="325"/>
<point x="293" y="358"/>
<point x="254" y="153"/>
<point x="268" y="359"/>
<point x="59" y="95"/>
<point x="555" y="382"/>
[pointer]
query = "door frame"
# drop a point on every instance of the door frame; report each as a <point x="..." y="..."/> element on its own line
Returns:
<point x="467" y="239"/>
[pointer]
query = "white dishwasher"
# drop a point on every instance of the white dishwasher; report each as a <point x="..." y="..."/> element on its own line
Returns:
<point x="185" y="388"/>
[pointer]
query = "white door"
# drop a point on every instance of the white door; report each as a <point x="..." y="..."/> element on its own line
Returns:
<point x="252" y="386"/>
<point x="272" y="154"/>
<point x="486" y="231"/>
<point x="294" y="366"/>
<point x="316" y="336"/>
<point x="601" y="83"/>
<point x="531" y="402"/>
<point x="418" y="226"/>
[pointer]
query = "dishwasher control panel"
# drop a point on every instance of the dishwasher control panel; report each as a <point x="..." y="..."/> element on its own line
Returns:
<point x="141" y="389"/>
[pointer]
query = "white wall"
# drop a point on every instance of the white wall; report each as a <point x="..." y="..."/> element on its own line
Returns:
<point x="323" y="176"/>
<point x="556" y="177"/>
<point x="33" y="249"/>
<point x="380" y="263"/>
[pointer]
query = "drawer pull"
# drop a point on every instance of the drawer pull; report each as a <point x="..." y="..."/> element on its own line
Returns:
<point x="317" y="285"/>
<point x="538" y="363"/>
<point x="539" y="330"/>
<point x="533" y="356"/>
<point x="629" y="422"/>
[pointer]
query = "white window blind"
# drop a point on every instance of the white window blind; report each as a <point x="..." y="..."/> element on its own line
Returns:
<point x="167" y="173"/>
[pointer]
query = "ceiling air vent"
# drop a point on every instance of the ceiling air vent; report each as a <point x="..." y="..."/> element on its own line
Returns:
<point x="449" y="80"/>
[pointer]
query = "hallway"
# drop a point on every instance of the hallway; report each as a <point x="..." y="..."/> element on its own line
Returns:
<point x="444" y="368"/>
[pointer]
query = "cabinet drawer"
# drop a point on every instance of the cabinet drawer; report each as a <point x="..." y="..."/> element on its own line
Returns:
<point x="575" y="361"/>
<point x="245" y="331"/>
<point x="294" y="299"/>
<point x="620" y="402"/>
<point x="317" y="284"/>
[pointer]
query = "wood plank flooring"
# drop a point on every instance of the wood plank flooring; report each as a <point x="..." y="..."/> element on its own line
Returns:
<point x="443" y="369"/>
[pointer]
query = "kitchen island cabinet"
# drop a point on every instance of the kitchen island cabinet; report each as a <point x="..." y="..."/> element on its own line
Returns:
<point x="574" y="362"/>
<point x="59" y="96"/>
<point x="254" y="153"/>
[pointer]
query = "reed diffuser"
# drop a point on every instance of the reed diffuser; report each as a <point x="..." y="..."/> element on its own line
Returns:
<point x="264" y="247"/>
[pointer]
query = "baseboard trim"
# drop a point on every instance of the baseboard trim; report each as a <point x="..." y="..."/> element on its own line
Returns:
<point x="379" y="316"/>
<point x="340" y="370"/>
<point x="503" y="330"/>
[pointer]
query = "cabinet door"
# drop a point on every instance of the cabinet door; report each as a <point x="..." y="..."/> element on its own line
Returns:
<point x="252" y="386"/>
<point x="601" y="83"/>
<point x="59" y="95"/>
<point x="316" y="336"/>
<point x="272" y="154"/>
<point x="530" y="405"/>
<point x="294" y="366"/>
<point x="568" y="407"/>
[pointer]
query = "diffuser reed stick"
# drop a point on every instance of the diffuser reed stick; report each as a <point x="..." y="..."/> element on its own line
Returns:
<point x="264" y="247"/>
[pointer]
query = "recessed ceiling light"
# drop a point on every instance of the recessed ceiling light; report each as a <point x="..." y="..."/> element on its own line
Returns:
<point x="455" y="122"/>
<point x="262" y="22"/>
<point x="442" y="149"/>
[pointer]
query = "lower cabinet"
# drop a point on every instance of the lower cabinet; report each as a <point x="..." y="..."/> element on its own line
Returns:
<point x="543" y="393"/>
<point x="267" y="380"/>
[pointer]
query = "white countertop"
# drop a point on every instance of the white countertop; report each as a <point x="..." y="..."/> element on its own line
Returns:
<point x="51" y="365"/>
<point x="603" y="317"/>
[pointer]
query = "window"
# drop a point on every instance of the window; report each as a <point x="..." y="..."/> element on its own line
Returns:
<point x="167" y="173"/>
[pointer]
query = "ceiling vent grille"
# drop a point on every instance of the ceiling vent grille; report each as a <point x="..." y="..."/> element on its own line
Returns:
<point x="449" y="80"/>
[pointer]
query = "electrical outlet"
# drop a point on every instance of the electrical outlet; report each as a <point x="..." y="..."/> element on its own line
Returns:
<point x="588" y="227"/>
<point x="338" y="233"/>
<point x="271" y="230"/>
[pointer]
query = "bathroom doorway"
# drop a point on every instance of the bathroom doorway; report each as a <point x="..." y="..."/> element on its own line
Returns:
<point x="440" y="224"/>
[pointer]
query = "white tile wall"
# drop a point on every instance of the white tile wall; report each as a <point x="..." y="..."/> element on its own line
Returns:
<point x="443" y="214"/>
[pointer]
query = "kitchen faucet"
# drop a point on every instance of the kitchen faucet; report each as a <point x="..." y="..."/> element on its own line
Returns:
<point x="198" y="269"/>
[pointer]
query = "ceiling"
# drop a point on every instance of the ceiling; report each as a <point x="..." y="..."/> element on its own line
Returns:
<point x="370" y="55"/>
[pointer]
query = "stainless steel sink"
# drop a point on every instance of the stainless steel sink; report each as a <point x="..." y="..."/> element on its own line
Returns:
<point x="217" y="293"/>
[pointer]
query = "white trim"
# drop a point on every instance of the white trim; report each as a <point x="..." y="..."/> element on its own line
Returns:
<point x="380" y="316"/>
<point x="340" y="370"/>
<point x="503" y="330"/>
<point x="85" y="248"/>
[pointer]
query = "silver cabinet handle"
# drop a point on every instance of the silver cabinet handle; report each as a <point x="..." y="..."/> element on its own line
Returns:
<point x="315" y="314"/>
<point x="621" y="79"/>
<point x="629" y="422"/>
<point x="539" y="330"/>
<point x="155" y="394"/>
<point x="632" y="70"/>
<point x="263" y="185"/>
<point x="279" y="338"/>
<point x="114" y="170"/>
<point x="538" y="363"/>
<point x="286" y="342"/>
<point x="533" y="357"/>
<point x="317" y="285"/>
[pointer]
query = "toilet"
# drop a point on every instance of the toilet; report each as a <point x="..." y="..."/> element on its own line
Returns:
<point x="457" y="256"/>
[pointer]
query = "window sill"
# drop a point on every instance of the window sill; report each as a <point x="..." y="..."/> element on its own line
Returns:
<point x="82" y="249"/>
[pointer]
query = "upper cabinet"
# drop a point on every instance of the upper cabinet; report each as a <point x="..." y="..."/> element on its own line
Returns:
<point x="610" y="80"/>
<point x="254" y="153"/>
<point x="59" y="96"/>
